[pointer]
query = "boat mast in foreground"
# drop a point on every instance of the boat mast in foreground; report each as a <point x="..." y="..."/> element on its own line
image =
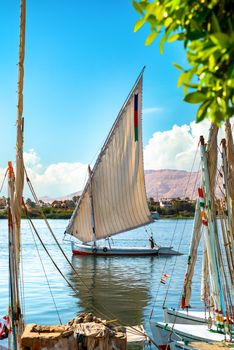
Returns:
<point x="16" y="184"/>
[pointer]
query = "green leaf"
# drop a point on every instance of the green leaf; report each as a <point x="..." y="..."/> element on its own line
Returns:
<point x="168" y="21"/>
<point x="137" y="7"/>
<point x="202" y="111"/>
<point x="221" y="103"/>
<point x="230" y="83"/>
<point x="221" y="40"/>
<point x="181" y="79"/>
<point x="177" y="66"/>
<point x="161" y="44"/>
<point x="195" y="97"/>
<point x="192" y="86"/>
<point x="212" y="62"/>
<point x="215" y="23"/>
<point x="173" y="38"/>
<point x="139" y="24"/>
<point x="152" y="21"/>
<point x="230" y="72"/>
<point x="144" y="4"/>
<point x="150" y="38"/>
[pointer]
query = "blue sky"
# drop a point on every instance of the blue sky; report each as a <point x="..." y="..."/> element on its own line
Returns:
<point x="82" y="59"/>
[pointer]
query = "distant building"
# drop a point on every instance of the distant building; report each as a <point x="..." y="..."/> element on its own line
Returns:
<point x="3" y="203"/>
<point x="165" y="203"/>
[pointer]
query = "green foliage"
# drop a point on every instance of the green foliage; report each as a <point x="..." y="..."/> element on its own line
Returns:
<point x="207" y="31"/>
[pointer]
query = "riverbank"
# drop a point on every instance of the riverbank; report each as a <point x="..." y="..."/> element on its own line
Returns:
<point x="53" y="213"/>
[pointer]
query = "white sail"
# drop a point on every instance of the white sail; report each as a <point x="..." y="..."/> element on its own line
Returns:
<point x="117" y="181"/>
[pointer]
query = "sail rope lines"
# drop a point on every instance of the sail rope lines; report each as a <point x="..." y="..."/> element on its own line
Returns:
<point x="173" y="235"/>
<point x="45" y="274"/>
<point x="3" y="181"/>
<point x="63" y="253"/>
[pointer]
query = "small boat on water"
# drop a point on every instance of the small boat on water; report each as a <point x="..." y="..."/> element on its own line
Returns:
<point x="88" y="249"/>
<point x="114" y="198"/>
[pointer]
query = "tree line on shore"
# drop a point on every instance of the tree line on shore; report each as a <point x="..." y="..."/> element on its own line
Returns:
<point x="63" y="209"/>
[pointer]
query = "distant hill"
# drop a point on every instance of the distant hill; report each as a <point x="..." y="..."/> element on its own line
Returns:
<point x="163" y="183"/>
<point x="167" y="183"/>
<point x="62" y="198"/>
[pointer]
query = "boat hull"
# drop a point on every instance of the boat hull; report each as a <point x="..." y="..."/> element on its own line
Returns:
<point x="185" y="317"/>
<point x="85" y="249"/>
<point x="165" y="334"/>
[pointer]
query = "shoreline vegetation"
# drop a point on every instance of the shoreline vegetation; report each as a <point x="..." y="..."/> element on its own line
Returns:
<point x="175" y="208"/>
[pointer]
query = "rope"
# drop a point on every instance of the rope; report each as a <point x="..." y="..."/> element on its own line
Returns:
<point x="172" y="238"/>
<point x="50" y="230"/>
<point x="3" y="181"/>
<point x="54" y="263"/>
<point x="21" y="275"/>
<point x="47" y="280"/>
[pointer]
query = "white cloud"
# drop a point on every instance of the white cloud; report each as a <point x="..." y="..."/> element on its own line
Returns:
<point x="151" y="110"/>
<point x="176" y="148"/>
<point x="31" y="160"/>
<point x="58" y="179"/>
<point x="55" y="180"/>
<point x="171" y="149"/>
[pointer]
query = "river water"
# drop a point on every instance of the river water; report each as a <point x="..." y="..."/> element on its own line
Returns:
<point x="123" y="288"/>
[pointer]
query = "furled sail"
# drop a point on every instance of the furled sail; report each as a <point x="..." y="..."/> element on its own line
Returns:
<point x="192" y="258"/>
<point x="118" y="201"/>
<point x="230" y="179"/>
<point x="196" y="235"/>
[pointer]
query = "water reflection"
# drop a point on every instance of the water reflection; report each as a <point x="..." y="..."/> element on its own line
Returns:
<point x="117" y="288"/>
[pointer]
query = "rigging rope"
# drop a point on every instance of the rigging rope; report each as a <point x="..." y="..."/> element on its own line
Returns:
<point x="47" y="280"/>
<point x="173" y="235"/>
<point x="3" y="181"/>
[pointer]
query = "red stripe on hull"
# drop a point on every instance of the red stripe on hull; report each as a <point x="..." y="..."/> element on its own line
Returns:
<point x="77" y="252"/>
<point x="164" y="347"/>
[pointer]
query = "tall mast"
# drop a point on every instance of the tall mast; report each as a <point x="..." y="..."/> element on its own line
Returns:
<point x="19" y="178"/>
<point x="16" y="184"/>
<point x="92" y="208"/>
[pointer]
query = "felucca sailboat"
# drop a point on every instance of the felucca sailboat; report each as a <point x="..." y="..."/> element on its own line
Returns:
<point x="114" y="198"/>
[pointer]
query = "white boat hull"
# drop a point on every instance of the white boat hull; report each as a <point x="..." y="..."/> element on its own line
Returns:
<point x="165" y="334"/>
<point x="86" y="249"/>
<point x="185" y="317"/>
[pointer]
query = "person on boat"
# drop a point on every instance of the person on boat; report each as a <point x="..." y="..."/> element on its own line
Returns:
<point x="152" y="243"/>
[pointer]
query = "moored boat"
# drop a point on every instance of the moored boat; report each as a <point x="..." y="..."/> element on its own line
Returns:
<point x="213" y="324"/>
<point x="88" y="249"/>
